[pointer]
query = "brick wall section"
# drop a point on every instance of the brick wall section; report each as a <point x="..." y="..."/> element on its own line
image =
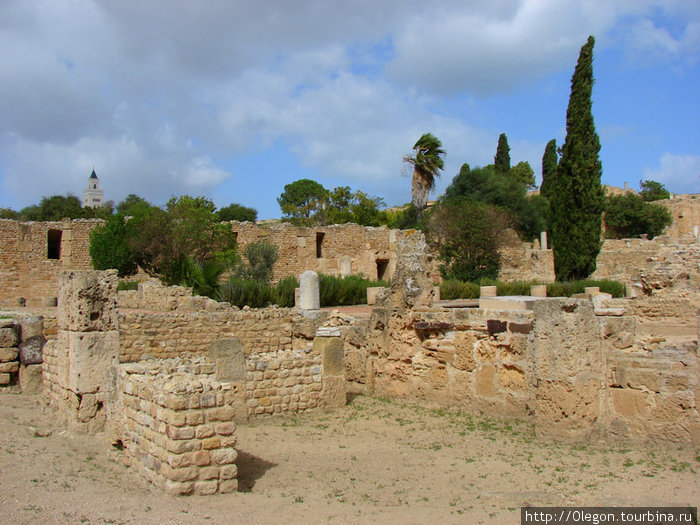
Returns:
<point x="364" y="246"/>
<point x="178" y="427"/>
<point x="287" y="381"/>
<point x="25" y="269"/>
<point x="145" y="335"/>
<point x="9" y="352"/>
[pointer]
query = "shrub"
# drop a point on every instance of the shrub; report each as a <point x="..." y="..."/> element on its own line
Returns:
<point x="454" y="289"/>
<point x="628" y="216"/>
<point x="284" y="291"/>
<point x="127" y="285"/>
<point x="345" y="291"/>
<point x="243" y="292"/>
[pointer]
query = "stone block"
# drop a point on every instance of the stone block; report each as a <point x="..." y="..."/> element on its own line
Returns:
<point x="30" y="379"/>
<point x="488" y="291"/>
<point x="4" y="379"/>
<point x="8" y="337"/>
<point x="464" y="351"/>
<point x="31" y="350"/>
<point x="538" y="290"/>
<point x="629" y="403"/>
<point x="227" y="486"/>
<point x="372" y="293"/>
<point x="334" y="391"/>
<point x="511" y="377"/>
<point x="206" y="488"/>
<point x="9" y="368"/>
<point x="229" y="359"/>
<point x="8" y="354"/>
<point x="88" y="301"/>
<point x="508" y="302"/>
<point x="332" y="355"/>
<point x="224" y="456"/>
<point x="90" y="356"/>
<point x="485" y="381"/>
<point x="32" y="326"/>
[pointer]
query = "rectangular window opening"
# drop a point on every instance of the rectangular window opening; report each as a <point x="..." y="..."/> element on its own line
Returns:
<point x="382" y="265"/>
<point x="53" y="244"/>
<point x="319" y="244"/>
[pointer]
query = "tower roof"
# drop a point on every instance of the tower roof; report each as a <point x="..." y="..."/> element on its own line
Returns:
<point x="93" y="175"/>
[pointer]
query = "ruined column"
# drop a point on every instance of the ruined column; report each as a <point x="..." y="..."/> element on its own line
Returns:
<point x="543" y="240"/>
<point x="31" y="354"/>
<point x="87" y="348"/>
<point x="309" y="293"/>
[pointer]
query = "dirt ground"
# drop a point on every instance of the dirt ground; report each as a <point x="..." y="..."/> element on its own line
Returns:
<point x="374" y="461"/>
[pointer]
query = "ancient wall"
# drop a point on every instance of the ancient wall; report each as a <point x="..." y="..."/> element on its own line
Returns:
<point x="524" y="261"/>
<point x="33" y="253"/>
<point x="341" y="249"/>
<point x="685" y="211"/>
<point x="176" y="423"/>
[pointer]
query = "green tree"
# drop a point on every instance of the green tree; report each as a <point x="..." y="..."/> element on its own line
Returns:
<point x="523" y="173"/>
<point x="237" y="212"/>
<point x="427" y="161"/>
<point x="55" y="208"/>
<point x="550" y="160"/>
<point x="576" y="198"/>
<point x="132" y="204"/>
<point x="653" y="191"/>
<point x="628" y="216"/>
<point x="501" y="161"/>
<point x="261" y="257"/>
<point x="467" y="235"/>
<point x="343" y="206"/>
<point x="484" y="185"/>
<point x="109" y="247"/>
<point x="301" y="200"/>
<point x="8" y="213"/>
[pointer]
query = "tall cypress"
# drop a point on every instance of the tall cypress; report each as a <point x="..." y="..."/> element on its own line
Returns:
<point x="576" y="197"/>
<point x="549" y="167"/>
<point x="502" y="159"/>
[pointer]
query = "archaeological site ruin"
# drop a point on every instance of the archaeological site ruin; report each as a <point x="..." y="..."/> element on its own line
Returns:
<point x="168" y="376"/>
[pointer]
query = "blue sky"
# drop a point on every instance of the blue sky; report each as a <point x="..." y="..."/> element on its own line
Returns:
<point x="235" y="100"/>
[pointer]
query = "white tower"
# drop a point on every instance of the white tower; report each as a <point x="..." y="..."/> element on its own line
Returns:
<point x="93" y="196"/>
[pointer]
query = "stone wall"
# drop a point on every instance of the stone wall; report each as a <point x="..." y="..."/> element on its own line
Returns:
<point x="177" y="425"/>
<point x="33" y="253"/>
<point x="685" y="211"/>
<point x="335" y="250"/>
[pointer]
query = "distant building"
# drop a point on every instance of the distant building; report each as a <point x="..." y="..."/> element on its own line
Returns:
<point x="93" y="196"/>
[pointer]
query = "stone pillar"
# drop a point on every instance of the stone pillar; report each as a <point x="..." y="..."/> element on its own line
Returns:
<point x="329" y="344"/>
<point x="309" y="295"/>
<point x="87" y="349"/>
<point x="538" y="290"/>
<point x="488" y="291"/>
<point x="696" y="233"/>
<point x="543" y="240"/>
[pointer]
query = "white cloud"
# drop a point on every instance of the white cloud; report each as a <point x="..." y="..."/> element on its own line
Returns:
<point x="679" y="173"/>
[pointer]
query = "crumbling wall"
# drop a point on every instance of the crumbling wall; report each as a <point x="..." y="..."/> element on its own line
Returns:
<point x="339" y="249"/>
<point x="33" y="253"/>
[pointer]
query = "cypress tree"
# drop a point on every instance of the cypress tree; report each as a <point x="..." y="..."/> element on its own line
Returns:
<point x="549" y="167"/>
<point x="576" y="197"/>
<point x="502" y="159"/>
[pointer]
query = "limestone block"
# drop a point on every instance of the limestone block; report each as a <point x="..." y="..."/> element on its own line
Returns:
<point x="331" y="351"/>
<point x="31" y="327"/>
<point x="88" y="301"/>
<point x="345" y="265"/>
<point x="373" y="292"/>
<point x="229" y="360"/>
<point x="8" y="354"/>
<point x="538" y="290"/>
<point x="31" y="350"/>
<point x="90" y="355"/>
<point x="8" y="337"/>
<point x="9" y="368"/>
<point x="511" y="377"/>
<point x="485" y="381"/>
<point x="4" y="379"/>
<point x="334" y="391"/>
<point x="309" y="295"/>
<point x="488" y="291"/>
<point x="464" y="351"/>
<point x="629" y="403"/>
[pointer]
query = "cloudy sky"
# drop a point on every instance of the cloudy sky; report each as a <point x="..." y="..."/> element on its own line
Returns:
<point x="234" y="99"/>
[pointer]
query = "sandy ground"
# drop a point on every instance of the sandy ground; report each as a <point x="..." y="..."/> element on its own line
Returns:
<point x="373" y="461"/>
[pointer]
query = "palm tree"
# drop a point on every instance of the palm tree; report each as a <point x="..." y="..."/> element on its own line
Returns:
<point x="427" y="162"/>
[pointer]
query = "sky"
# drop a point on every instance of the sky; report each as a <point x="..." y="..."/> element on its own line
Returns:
<point x="233" y="99"/>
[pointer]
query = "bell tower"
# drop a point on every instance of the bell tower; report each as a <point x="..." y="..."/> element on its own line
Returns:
<point x="93" y="196"/>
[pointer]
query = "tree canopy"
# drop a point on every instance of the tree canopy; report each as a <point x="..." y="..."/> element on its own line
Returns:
<point x="237" y="212"/>
<point x="653" y="191"/>
<point x="501" y="160"/>
<point x="628" y="216"/>
<point x="301" y="200"/>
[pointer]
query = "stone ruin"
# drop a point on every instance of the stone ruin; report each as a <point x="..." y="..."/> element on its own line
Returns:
<point x="169" y="376"/>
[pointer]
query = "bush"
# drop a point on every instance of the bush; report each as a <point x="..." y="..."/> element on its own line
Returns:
<point x="109" y="247"/>
<point x="454" y="289"/>
<point x="244" y="292"/>
<point x="345" y="291"/>
<point x="628" y="216"/>
<point x="127" y="285"/>
<point x="284" y="291"/>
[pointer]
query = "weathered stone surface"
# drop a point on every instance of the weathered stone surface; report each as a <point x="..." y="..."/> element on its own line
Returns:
<point x="90" y="355"/>
<point x="31" y="350"/>
<point x="88" y="301"/>
<point x="32" y="326"/>
<point x="332" y="355"/>
<point x="229" y="359"/>
<point x="334" y="393"/>
<point x="464" y="351"/>
<point x="8" y="354"/>
<point x="9" y="367"/>
<point x="485" y="381"/>
<point x="8" y="337"/>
